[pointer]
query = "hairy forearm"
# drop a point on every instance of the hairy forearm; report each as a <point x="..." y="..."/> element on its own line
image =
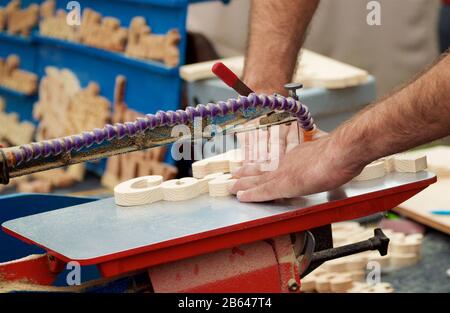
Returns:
<point x="277" y="30"/>
<point x="416" y="114"/>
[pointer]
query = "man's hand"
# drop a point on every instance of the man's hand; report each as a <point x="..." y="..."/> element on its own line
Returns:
<point x="264" y="145"/>
<point x="308" y="168"/>
<point x="417" y="113"/>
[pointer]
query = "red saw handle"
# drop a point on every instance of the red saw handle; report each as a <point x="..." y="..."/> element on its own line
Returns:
<point x="231" y="79"/>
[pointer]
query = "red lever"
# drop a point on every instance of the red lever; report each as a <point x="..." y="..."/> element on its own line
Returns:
<point x="230" y="78"/>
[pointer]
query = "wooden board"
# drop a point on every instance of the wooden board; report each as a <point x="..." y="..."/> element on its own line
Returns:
<point x="314" y="70"/>
<point x="436" y="196"/>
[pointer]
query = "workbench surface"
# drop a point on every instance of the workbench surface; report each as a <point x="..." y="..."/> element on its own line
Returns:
<point x="100" y="229"/>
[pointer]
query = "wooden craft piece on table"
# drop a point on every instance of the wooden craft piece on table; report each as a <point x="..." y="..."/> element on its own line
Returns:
<point x="409" y="164"/>
<point x="55" y="24"/>
<point x="14" y="78"/>
<point x="145" y="45"/>
<point x="149" y="189"/>
<point x="403" y="163"/>
<point x="218" y="187"/>
<point x="139" y="191"/>
<point x="181" y="189"/>
<point x="204" y="182"/>
<point x="219" y="163"/>
<point x="22" y="21"/>
<point x="141" y="163"/>
<point x="314" y="70"/>
<point x="371" y="171"/>
<point x="437" y="159"/>
<point x="389" y="163"/>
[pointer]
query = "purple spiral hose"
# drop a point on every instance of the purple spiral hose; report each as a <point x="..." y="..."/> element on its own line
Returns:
<point x="54" y="147"/>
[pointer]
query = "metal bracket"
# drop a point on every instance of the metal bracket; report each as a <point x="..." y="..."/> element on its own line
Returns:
<point x="310" y="261"/>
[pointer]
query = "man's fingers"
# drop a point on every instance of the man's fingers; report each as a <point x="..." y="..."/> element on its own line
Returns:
<point x="292" y="138"/>
<point x="251" y="169"/>
<point x="278" y="141"/>
<point x="244" y="184"/>
<point x="262" y="145"/>
<point x="267" y="191"/>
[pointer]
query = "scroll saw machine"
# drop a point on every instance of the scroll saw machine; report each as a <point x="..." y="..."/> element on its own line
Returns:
<point x="203" y="244"/>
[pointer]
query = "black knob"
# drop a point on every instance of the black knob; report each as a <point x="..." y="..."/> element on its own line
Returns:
<point x="292" y="88"/>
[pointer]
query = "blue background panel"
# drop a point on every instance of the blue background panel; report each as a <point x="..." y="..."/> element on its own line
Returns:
<point x="21" y="46"/>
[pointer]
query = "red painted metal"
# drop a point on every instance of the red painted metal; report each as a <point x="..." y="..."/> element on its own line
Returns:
<point x="225" y="74"/>
<point x="263" y="266"/>
<point x="250" y="268"/>
<point x="32" y="269"/>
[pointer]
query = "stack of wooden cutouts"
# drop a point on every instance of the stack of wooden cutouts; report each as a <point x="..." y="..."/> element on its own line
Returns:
<point x="145" y="45"/>
<point x="16" y="79"/>
<point x="54" y="22"/>
<point x="63" y="109"/>
<point x="107" y="33"/>
<point x="18" y="21"/>
<point x="353" y="273"/>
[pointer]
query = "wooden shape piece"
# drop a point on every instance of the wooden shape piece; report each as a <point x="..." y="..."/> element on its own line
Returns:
<point x="410" y="164"/>
<point x="139" y="191"/>
<point x="372" y="171"/>
<point x="181" y="189"/>
<point x="219" y="186"/>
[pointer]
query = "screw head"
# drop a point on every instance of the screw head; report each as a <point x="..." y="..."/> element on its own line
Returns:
<point x="292" y="88"/>
<point x="293" y="285"/>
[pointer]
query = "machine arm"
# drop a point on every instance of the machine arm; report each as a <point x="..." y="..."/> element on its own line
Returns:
<point x="146" y="132"/>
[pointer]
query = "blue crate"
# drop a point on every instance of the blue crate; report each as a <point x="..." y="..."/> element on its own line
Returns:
<point x="19" y="103"/>
<point x="26" y="49"/>
<point x="151" y="85"/>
